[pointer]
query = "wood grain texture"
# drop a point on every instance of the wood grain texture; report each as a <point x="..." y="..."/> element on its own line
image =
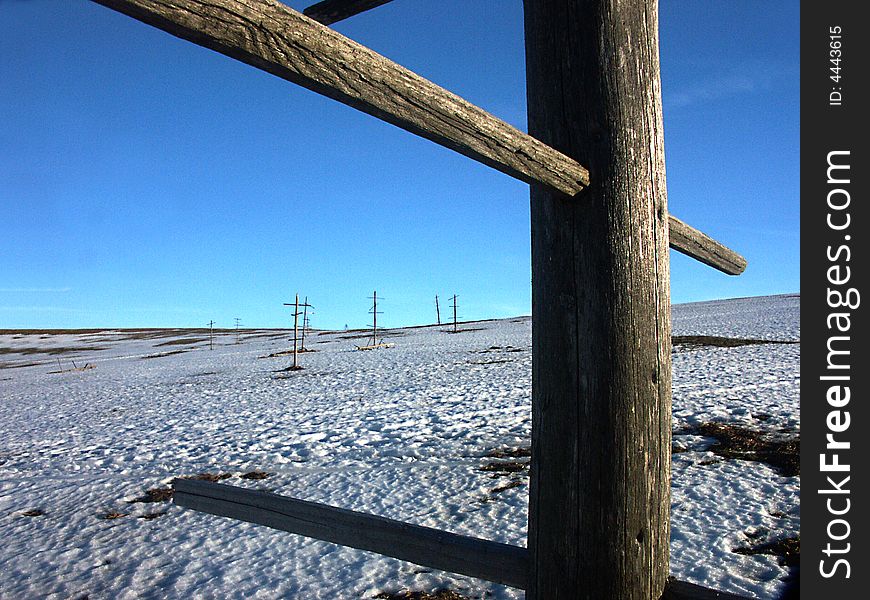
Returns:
<point x="500" y="563"/>
<point x="273" y="37"/>
<point x="599" y="503"/>
<point x="333" y="11"/>
<point x="698" y="245"/>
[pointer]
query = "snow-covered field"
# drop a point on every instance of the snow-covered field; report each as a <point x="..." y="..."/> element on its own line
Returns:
<point x="402" y="432"/>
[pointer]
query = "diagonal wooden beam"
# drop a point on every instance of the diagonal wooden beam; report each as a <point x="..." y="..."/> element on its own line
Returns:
<point x="332" y="11"/>
<point x="493" y="561"/>
<point x="275" y="38"/>
<point x="691" y="242"/>
<point x="269" y="35"/>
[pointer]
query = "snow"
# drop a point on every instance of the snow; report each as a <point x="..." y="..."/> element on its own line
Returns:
<point x="400" y="432"/>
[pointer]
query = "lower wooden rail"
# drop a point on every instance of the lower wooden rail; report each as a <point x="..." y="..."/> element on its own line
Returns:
<point x="492" y="561"/>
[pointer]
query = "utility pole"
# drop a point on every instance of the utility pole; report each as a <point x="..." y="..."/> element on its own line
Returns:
<point x="211" y="335"/>
<point x="437" y="310"/>
<point x="296" y="314"/>
<point x="305" y="320"/>
<point x="455" y="323"/>
<point x="238" y="324"/>
<point x="374" y="312"/>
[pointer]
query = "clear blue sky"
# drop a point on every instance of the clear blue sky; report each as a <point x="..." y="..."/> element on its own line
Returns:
<point x="146" y="181"/>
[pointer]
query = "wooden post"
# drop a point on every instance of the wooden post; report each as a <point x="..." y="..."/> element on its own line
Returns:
<point x="455" y="327"/>
<point x="375" y="317"/>
<point x="211" y="335"/>
<point x="296" y="314"/>
<point x="304" y="321"/>
<point x="437" y="310"/>
<point x="601" y="368"/>
<point x="296" y="332"/>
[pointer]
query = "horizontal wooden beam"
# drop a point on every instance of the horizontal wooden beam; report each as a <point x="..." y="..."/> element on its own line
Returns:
<point x="493" y="561"/>
<point x="332" y="11"/>
<point x="273" y="37"/>
<point x="691" y="242"/>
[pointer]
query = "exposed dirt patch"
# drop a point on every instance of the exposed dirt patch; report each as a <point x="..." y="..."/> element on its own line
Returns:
<point x="787" y="551"/>
<point x="508" y="486"/>
<point x="521" y="452"/>
<point x="503" y="467"/>
<point x="55" y="351"/>
<point x="151" y="516"/>
<point x="34" y="512"/>
<point x="213" y="477"/>
<point x="490" y="362"/>
<point x="694" y="342"/>
<point x="162" y="354"/>
<point x="112" y="515"/>
<point x="181" y="342"/>
<point x="412" y="595"/>
<point x="742" y="443"/>
<point x="368" y="334"/>
<point x="256" y="475"/>
<point x="154" y="495"/>
<point x="288" y="353"/>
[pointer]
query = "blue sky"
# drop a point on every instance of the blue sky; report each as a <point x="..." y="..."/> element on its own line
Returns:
<point x="148" y="182"/>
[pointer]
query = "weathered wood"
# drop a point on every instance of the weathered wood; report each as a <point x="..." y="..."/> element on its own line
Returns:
<point x="680" y="590"/>
<point x="271" y="36"/>
<point x="601" y="365"/>
<point x="693" y="243"/>
<point x="493" y="561"/>
<point x="332" y="11"/>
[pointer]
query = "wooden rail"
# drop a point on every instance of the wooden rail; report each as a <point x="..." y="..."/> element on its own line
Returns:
<point x="492" y="561"/>
<point x="500" y="563"/>
<point x="273" y="37"/>
<point x="332" y="11"/>
<point x="693" y="243"/>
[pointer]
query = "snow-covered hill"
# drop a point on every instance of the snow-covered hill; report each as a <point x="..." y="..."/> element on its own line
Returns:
<point x="411" y="432"/>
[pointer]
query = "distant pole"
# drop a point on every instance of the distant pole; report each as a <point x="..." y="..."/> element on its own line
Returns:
<point x="211" y="335"/>
<point x="375" y="321"/>
<point x="296" y="332"/>
<point x="238" y="323"/>
<point x="295" y="304"/>
<point x="455" y="328"/>
<point x="304" y="321"/>
<point x="374" y="311"/>
<point x="437" y="310"/>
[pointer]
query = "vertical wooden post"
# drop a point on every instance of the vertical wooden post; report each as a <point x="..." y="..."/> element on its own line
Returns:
<point x="296" y="332"/>
<point x="375" y="322"/>
<point x="304" y="321"/>
<point x="437" y="310"/>
<point x="601" y="370"/>
<point x="455" y="324"/>
<point x="211" y="335"/>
